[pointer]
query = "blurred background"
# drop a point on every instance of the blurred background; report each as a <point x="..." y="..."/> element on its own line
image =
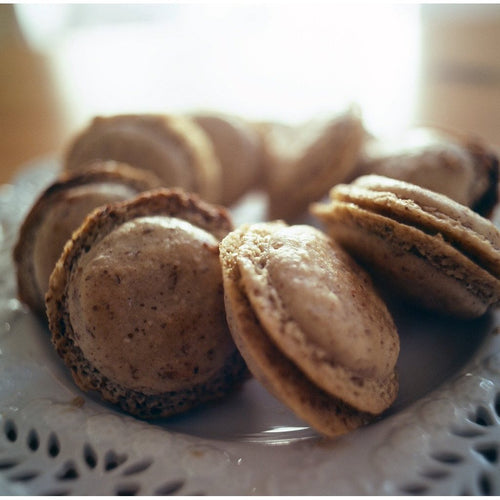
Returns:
<point x="402" y="64"/>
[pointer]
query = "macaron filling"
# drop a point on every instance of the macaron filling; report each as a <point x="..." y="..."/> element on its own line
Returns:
<point x="477" y="239"/>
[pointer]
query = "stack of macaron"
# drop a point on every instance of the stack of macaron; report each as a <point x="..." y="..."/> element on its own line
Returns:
<point x="222" y="157"/>
<point x="158" y="303"/>
<point x="216" y="156"/>
<point x="310" y="324"/>
<point x="437" y="252"/>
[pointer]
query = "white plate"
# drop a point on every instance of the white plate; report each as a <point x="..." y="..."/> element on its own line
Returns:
<point x="442" y="436"/>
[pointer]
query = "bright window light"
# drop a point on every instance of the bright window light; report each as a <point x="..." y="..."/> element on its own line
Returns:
<point x="265" y="61"/>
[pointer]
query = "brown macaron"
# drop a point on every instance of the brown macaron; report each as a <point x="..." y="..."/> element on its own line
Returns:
<point x="173" y="147"/>
<point x="437" y="252"/>
<point x="239" y="150"/>
<point x="458" y="166"/>
<point x="309" y="324"/>
<point x="302" y="162"/>
<point x="136" y="308"/>
<point x="58" y="211"/>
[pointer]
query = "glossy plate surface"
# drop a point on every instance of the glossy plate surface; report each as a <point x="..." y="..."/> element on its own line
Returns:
<point x="441" y="437"/>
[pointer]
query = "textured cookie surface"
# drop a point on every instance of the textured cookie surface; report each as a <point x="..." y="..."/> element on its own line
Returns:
<point x="301" y="310"/>
<point x="136" y="308"/>
<point x="440" y="253"/>
<point x="173" y="147"/>
<point x="58" y="211"/>
<point x="433" y="213"/>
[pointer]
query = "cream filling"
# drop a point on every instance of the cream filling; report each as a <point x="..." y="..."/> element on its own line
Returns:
<point x="476" y="238"/>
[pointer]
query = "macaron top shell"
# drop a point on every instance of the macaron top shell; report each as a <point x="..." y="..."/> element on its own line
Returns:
<point x="154" y="278"/>
<point x="319" y="308"/>
<point x="136" y="303"/>
<point x="433" y="213"/>
<point x="328" y="415"/>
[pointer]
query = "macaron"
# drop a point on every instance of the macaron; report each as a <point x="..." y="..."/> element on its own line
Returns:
<point x="438" y="253"/>
<point x="239" y="150"/>
<point x="309" y="324"/>
<point x="171" y="146"/>
<point x="302" y="162"/>
<point x="136" y="308"/>
<point x="58" y="211"/>
<point x="459" y="166"/>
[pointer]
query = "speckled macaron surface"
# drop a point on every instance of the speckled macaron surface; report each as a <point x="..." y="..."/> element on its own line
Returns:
<point x="58" y="211"/>
<point x="309" y="324"/>
<point x="438" y="252"/>
<point x="136" y="309"/>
